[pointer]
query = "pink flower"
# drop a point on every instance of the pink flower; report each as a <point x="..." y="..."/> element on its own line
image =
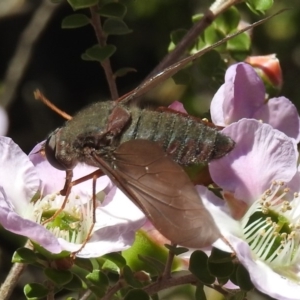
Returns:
<point x="259" y="221"/>
<point x="29" y="194"/>
<point x="243" y="96"/>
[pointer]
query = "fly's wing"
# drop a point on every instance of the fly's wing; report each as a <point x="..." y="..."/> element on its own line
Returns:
<point x="163" y="191"/>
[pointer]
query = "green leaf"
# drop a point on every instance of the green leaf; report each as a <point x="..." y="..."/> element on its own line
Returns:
<point x="24" y="255"/>
<point x="220" y="263"/>
<point x="116" y="258"/>
<point x="35" y="291"/>
<point x="243" y="278"/>
<point x="97" y="53"/>
<point x="212" y="35"/>
<point x="75" y="21"/>
<point x="228" y="21"/>
<point x="176" y="250"/>
<point x="99" y="291"/>
<point x="199" y="293"/>
<point x="129" y="277"/>
<point x="113" y="10"/>
<point x="259" y="6"/>
<point x="98" y="278"/>
<point x="76" y="284"/>
<point x="59" y="277"/>
<point x="198" y="267"/>
<point x="136" y="294"/>
<point x="123" y="71"/>
<point x="152" y="263"/>
<point x="114" y="26"/>
<point x="77" y="4"/>
<point x="239" y="46"/>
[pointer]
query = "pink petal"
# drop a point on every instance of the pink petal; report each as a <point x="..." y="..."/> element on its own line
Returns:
<point x="261" y="155"/>
<point x="216" y="107"/>
<point x="54" y="179"/>
<point x="116" y="223"/>
<point x="263" y="277"/>
<point x="12" y="222"/>
<point x="281" y="114"/>
<point x="18" y="176"/>
<point x="178" y="106"/>
<point x="3" y="121"/>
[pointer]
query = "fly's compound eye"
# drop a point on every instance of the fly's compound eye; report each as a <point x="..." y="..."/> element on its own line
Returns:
<point x="50" y="151"/>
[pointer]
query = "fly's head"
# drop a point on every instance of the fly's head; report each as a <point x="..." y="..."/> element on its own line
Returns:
<point x="59" y="153"/>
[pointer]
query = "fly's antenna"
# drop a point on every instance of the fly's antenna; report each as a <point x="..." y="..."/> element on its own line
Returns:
<point x="39" y="96"/>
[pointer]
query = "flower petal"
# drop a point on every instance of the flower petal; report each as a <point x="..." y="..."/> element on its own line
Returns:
<point x="11" y="221"/>
<point x="216" y="107"/>
<point x="116" y="223"/>
<point x="18" y="176"/>
<point x="281" y="114"/>
<point x="261" y="154"/>
<point x="54" y="179"/>
<point x="3" y="121"/>
<point x="263" y="277"/>
<point x="244" y="93"/>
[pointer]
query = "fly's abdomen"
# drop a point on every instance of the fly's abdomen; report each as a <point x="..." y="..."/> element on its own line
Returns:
<point x="185" y="139"/>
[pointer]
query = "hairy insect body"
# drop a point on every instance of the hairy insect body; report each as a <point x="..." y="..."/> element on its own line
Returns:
<point x="186" y="140"/>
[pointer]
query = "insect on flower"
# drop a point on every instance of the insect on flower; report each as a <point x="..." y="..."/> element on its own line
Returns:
<point x="143" y="152"/>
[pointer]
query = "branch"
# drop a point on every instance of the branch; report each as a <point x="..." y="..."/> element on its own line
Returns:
<point x="218" y="7"/>
<point x="21" y="57"/>
<point x="101" y="38"/>
<point x="12" y="278"/>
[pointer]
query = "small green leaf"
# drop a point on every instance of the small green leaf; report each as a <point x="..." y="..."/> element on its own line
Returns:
<point x="24" y="255"/>
<point x="123" y="71"/>
<point x="220" y="263"/>
<point x="113" y="10"/>
<point x="113" y="26"/>
<point x="153" y="263"/>
<point x="76" y="284"/>
<point x="198" y="267"/>
<point x="97" y="53"/>
<point x="98" y="278"/>
<point x="259" y="6"/>
<point x="176" y="250"/>
<point x="243" y="278"/>
<point x="228" y="21"/>
<point x="239" y="46"/>
<point x="116" y="258"/>
<point x="35" y="291"/>
<point x="199" y="293"/>
<point x="129" y="277"/>
<point x="77" y="4"/>
<point x="75" y="21"/>
<point x="136" y="294"/>
<point x="59" y="277"/>
<point x="212" y="35"/>
<point x="99" y="291"/>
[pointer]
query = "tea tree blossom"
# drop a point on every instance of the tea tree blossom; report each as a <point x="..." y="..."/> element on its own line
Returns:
<point x="29" y="197"/>
<point x="261" y="216"/>
<point x="243" y="96"/>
